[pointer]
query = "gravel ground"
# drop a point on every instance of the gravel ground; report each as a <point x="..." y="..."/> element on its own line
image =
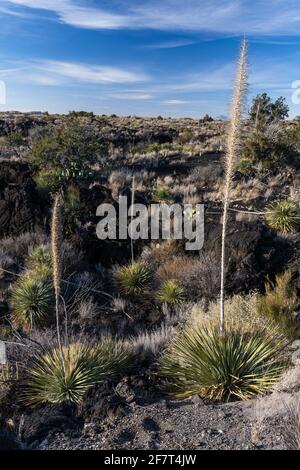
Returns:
<point x="191" y="424"/>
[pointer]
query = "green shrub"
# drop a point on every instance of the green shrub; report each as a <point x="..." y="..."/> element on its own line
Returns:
<point x="171" y="292"/>
<point x="162" y="194"/>
<point x="283" y="216"/>
<point x="72" y="198"/>
<point x="280" y="303"/>
<point x="268" y="150"/>
<point x="134" y="278"/>
<point x="222" y="367"/>
<point x="32" y="298"/>
<point x="56" y="378"/>
<point x="39" y="257"/>
<point x="244" y="166"/>
<point x="49" y="179"/>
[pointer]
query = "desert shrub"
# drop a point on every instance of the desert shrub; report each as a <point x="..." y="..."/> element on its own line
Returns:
<point x="280" y="303"/>
<point x="162" y="194"/>
<point x="283" y="216"/>
<point x="69" y="147"/>
<point x="48" y="179"/>
<point x="185" y="137"/>
<point x="222" y="367"/>
<point x="261" y="147"/>
<point x="134" y="278"/>
<point x="153" y="148"/>
<point x="56" y="378"/>
<point x="14" y="139"/>
<point x="244" y="166"/>
<point x="171" y="292"/>
<point x="39" y="257"/>
<point x="32" y="298"/>
<point x="199" y="275"/>
<point x="72" y="198"/>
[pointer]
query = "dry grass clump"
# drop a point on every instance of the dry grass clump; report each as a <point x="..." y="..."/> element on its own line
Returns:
<point x="280" y="303"/>
<point x="242" y="314"/>
<point x="291" y="431"/>
<point x="147" y="345"/>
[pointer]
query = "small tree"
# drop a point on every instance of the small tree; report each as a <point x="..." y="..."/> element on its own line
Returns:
<point x="263" y="111"/>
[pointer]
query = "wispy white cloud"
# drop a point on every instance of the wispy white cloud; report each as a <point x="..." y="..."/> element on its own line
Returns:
<point x="171" y="44"/>
<point x="51" y="72"/>
<point x="91" y="73"/>
<point x="130" y="96"/>
<point x="174" y="102"/>
<point x="220" y="16"/>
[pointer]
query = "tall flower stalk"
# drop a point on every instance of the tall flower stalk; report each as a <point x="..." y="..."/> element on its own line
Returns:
<point x="56" y="240"/>
<point x="232" y="153"/>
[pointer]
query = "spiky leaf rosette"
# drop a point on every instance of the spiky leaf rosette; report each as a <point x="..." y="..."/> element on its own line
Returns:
<point x="221" y="367"/>
<point x="171" y="292"/>
<point x="54" y="380"/>
<point x="284" y="216"/>
<point x="134" y="278"/>
<point x="32" y="299"/>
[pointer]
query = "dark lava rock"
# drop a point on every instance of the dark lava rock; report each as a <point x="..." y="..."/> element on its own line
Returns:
<point x="253" y="252"/>
<point x="8" y="440"/>
<point x="50" y="419"/>
<point x="19" y="205"/>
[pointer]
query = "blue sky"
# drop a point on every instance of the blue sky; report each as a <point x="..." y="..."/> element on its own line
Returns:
<point x="144" y="57"/>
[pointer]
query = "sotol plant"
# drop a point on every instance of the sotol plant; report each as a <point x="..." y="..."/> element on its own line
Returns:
<point x="52" y="380"/>
<point x="233" y="146"/>
<point x="171" y="292"/>
<point x="134" y="278"/>
<point x="284" y="216"/>
<point x="220" y="367"/>
<point x="32" y="299"/>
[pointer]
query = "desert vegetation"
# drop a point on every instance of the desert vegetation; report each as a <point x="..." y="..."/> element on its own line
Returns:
<point x="94" y="330"/>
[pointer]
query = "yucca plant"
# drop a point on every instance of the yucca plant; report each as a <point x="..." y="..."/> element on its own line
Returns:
<point x="55" y="379"/>
<point x="222" y="367"/>
<point x="171" y="292"/>
<point x="32" y="299"/>
<point x="134" y="278"/>
<point x="283" y="216"/>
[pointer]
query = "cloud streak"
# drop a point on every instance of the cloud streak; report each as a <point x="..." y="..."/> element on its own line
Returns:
<point x="52" y="72"/>
<point x="281" y="17"/>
